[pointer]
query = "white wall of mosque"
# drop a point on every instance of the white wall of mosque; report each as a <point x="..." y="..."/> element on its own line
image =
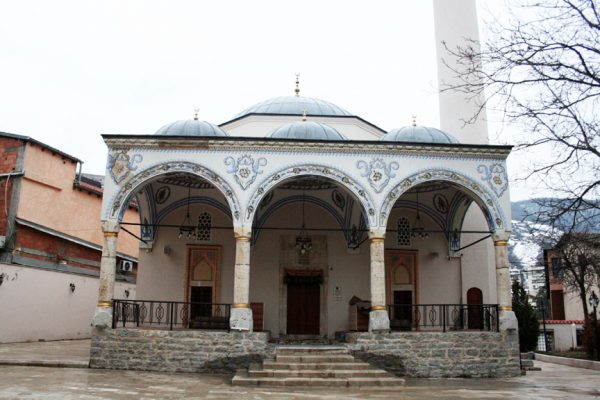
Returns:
<point x="479" y="270"/>
<point x="440" y="280"/>
<point x="257" y="126"/>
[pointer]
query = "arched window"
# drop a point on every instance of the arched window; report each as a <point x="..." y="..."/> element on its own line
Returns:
<point x="403" y="232"/>
<point x="204" y="227"/>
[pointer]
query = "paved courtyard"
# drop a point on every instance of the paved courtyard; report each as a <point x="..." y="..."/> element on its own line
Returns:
<point x="32" y="382"/>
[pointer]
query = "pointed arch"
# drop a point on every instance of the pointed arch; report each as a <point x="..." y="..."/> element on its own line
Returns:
<point x="486" y="200"/>
<point x="118" y="203"/>
<point x="361" y="194"/>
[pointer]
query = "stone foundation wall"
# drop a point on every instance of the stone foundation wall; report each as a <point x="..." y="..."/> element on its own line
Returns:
<point x="440" y="355"/>
<point x="412" y="354"/>
<point x="177" y="351"/>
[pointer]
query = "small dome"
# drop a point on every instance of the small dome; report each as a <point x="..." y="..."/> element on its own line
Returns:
<point x="295" y="105"/>
<point x="190" y="127"/>
<point x="308" y="130"/>
<point x="418" y="134"/>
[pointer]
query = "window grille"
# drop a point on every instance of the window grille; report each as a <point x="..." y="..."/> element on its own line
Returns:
<point x="203" y="230"/>
<point x="403" y="232"/>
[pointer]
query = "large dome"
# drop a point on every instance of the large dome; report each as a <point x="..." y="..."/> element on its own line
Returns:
<point x="308" y="130"/>
<point x="419" y="134"/>
<point x="190" y="127"/>
<point x="295" y="105"/>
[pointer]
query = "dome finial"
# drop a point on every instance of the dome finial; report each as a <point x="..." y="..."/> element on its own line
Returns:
<point x="196" y="111"/>
<point x="414" y="118"/>
<point x="304" y="115"/>
<point x="297" y="90"/>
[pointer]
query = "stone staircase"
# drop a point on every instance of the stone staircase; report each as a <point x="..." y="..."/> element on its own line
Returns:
<point x="315" y="366"/>
<point x="527" y="363"/>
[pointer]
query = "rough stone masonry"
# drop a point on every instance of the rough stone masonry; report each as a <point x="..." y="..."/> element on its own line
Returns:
<point x="412" y="354"/>
<point x="440" y="354"/>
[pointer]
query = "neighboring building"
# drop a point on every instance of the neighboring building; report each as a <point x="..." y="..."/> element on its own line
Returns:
<point x="51" y="243"/>
<point x="565" y="319"/>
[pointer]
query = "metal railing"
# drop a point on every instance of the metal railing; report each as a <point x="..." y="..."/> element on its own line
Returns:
<point x="444" y="317"/>
<point x="170" y="314"/>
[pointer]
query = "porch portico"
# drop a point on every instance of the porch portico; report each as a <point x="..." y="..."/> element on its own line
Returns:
<point x="305" y="232"/>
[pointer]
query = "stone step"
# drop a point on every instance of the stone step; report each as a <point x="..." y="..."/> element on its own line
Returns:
<point x="526" y="363"/>
<point x="301" y="350"/>
<point x="314" y="358"/>
<point x="315" y="366"/>
<point x="319" y="382"/>
<point x="356" y="365"/>
<point x="319" y="373"/>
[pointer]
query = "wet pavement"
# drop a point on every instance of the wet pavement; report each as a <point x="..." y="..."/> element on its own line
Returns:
<point x="63" y="353"/>
<point x="20" y="380"/>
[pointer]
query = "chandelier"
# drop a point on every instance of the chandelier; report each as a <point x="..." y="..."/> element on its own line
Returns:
<point x="303" y="241"/>
<point x="418" y="230"/>
<point x="186" y="229"/>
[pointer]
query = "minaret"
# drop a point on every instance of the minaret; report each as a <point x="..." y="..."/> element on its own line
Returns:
<point x="456" y="20"/>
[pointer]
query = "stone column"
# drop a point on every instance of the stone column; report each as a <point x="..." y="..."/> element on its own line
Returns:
<point x="104" y="312"/>
<point x="378" y="317"/>
<point x="241" y="313"/>
<point x="508" y="320"/>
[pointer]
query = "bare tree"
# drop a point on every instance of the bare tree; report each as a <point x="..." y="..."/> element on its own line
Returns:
<point x="579" y="255"/>
<point x="542" y="69"/>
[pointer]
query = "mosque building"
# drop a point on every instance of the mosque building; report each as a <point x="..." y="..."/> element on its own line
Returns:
<point x="299" y="220"/>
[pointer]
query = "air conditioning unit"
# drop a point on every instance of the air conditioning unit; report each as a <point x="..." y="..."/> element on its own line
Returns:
<point x="126" y="266"/>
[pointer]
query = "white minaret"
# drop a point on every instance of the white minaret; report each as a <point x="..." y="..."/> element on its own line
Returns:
<point x="456" y="20"/>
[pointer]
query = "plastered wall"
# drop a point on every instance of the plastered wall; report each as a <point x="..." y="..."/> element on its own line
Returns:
<point x="161" y="276"/>
<point x="37" y="304"/>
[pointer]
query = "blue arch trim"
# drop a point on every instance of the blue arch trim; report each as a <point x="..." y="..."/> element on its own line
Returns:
<point x="260" y="222"/>
<point x="204" y="200"/>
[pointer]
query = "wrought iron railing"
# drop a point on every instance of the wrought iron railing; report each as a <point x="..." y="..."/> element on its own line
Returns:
<point x="444" y="317"/>
<point x="170" y="314"/>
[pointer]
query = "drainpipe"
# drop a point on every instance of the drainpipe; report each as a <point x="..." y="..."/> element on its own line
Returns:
<point x="79" y="173"/>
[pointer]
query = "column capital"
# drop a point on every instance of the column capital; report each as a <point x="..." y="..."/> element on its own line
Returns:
<point x="242" y="231"/>
<point x="500" y="236"/>
<point x="111" y="226"/>
<point x="377" y="233"/>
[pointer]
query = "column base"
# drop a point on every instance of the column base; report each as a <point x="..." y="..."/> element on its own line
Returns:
<point x="103" y="317"/>
<point x="508" y="321"/>
<point x="241" y="319"/>
<point x="379" y="321"/>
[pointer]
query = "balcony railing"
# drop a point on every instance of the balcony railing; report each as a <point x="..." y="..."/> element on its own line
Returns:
<point x="170" y="314"/>
<point x="443" y="317"/>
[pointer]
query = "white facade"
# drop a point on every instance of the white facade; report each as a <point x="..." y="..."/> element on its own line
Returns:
<point x="254" y="187"/>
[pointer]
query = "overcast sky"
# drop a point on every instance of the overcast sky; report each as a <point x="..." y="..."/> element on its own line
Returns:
<point x="72" y="70"/>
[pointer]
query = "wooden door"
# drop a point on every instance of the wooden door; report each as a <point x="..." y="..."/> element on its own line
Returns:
<point x="303" y="305"/>
<point x="474" y="308"/>
<point x="202" y="297"/>
<point x="401" y="311"/>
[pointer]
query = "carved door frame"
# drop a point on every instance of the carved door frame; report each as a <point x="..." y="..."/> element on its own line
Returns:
<point x="216" y="270"/>
<point x="412" y="256"/>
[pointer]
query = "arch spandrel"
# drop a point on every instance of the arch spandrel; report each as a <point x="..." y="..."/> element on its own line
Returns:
<point x="276" y="178"/>
<point x="122" y="195"/>
<point x="486" y="200"/>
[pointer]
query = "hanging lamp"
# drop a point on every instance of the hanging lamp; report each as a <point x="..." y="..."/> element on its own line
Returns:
<point x="303" y="241"/>
<point x="186" y="229"/>
<point x="418" y="230"/>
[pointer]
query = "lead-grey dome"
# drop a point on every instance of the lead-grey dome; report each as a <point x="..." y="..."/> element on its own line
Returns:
<point x="419" y="134"/>
<point x="295" y="105"/>
<point x="190" y="127"/>
<point x="309" y="130"/>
